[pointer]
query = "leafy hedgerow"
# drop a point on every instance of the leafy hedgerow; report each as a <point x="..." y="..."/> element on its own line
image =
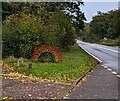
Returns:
<point x="22" y="33"/>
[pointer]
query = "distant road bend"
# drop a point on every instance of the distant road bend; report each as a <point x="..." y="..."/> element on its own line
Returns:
<point x="109" y="56"/>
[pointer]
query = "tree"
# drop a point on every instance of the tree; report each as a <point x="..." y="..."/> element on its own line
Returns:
<point x="105" y="25"/>
<point x="27" y="24"/>
<point x="9" y="8"/>
<point x="22" y="33"/>
<point x="114" y="23"/>
<point x="99" y="25"/>
<point x="65" y="34"/>
<point x="71" y="9"/>
<point x="87" y="34"/>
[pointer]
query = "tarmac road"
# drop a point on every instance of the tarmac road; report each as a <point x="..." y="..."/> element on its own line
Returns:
<point x="102" y="83"/>
<point x="108" y="56"/>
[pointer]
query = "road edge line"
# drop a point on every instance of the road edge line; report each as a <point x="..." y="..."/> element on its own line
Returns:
<point x="111" y="70"/>
<point x="91" y="54"/>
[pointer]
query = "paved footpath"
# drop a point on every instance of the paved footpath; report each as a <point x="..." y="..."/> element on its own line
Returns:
<point x="101" y="84"/>
<point x="23" y="88"/>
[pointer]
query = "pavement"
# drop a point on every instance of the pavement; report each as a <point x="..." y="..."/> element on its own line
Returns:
<point x="31" y="90"/>
<point x="24" y="88"/>
<point x="101" y="84"/>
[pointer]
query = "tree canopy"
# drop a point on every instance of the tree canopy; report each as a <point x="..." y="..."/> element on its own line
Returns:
<point x="27" y="25"/>
<point x="103" y="25"/>
<point x="71" y="9"/>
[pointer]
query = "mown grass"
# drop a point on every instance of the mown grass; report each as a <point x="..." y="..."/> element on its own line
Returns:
<point x="74" y="64"/>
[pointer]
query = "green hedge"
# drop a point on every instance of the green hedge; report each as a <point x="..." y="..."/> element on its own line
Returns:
<point x="23" y="32"/>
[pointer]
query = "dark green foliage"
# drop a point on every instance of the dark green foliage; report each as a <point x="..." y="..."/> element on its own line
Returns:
<point x="99" y="25"/>
<point x="71" y="9"/>
<point x="75" y="14"/>
<point x="103" y="25"/>
<point x="22" y="33"/>
<point x="27" y="25"/>
<point x="9" y="8"/>
<point x="65" y="31"/>
<point x="114" y="24"/>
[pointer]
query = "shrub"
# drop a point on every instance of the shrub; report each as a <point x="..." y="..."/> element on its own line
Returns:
<point x="22" y="33"/>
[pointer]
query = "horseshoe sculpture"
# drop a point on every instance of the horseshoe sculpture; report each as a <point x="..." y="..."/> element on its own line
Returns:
<point x="47" y="48"/>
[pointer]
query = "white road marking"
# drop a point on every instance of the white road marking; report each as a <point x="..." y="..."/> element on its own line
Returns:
<point x="100" y="47"/>
<point x="105" y="66"/>
<point x="92" y="44"/>
<point x="109" y="49"/>
<point x="114" y="73"/>
<point x="118" y="76"/>
<point x="109" y="69"/>
<point x="102" y="65"/>
<point x="91" y="54"/>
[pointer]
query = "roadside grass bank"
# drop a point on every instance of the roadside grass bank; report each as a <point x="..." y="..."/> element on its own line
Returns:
<point x="74" y="64"/>
<point x="110" y="42"/>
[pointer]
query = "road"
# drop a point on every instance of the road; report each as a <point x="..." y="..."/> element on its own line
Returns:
<point x="108" y="56"/>
<point x="101" y="84"/>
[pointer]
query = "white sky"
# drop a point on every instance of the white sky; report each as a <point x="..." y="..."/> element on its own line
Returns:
<point x="90" y="8"/>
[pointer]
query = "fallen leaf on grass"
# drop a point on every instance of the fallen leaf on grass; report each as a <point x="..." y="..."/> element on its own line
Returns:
<point x="6" y="98"/>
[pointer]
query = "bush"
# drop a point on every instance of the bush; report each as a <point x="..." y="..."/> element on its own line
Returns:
<point x="22" y="33"/>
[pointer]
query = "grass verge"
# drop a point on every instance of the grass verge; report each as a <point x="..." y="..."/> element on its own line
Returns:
<point x="110" y="42"/>
<point x="74" y="64"/>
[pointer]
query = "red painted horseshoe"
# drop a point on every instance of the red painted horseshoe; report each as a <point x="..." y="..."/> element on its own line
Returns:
<point x="47" y="48"/>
